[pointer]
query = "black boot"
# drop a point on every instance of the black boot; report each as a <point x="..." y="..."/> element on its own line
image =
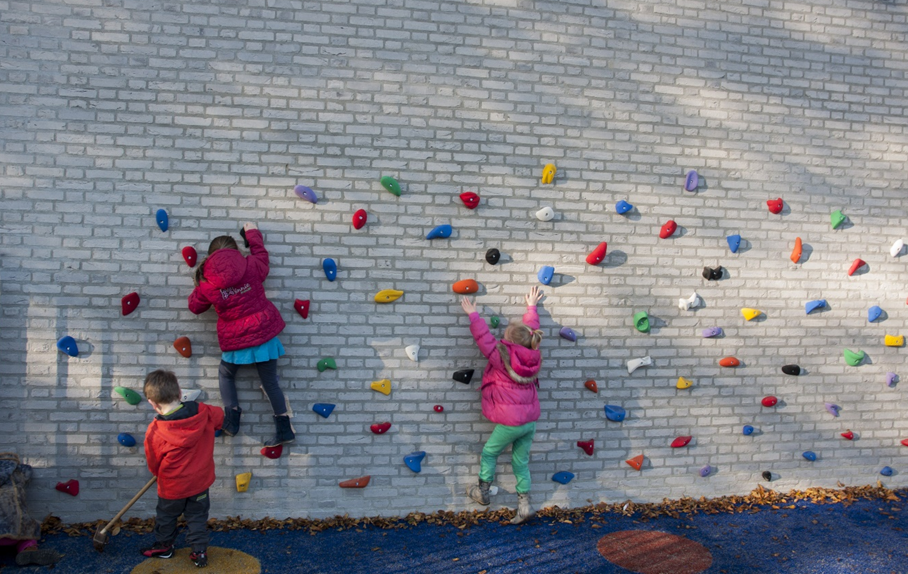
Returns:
<point x="283" y="434"/>
<point x="231" y="424"/>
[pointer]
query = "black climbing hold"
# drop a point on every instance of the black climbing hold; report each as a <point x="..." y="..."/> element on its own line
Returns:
<point x="767" y="476"/>
<point x="243" y="235"/>
<point x="792" y="370"/>
<point x="711" y="274"/>
<point x="492" y="256"/>
<point x="464" y="376"/>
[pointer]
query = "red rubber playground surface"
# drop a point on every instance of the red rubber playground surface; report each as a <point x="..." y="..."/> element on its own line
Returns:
<point x="867" y="536"/>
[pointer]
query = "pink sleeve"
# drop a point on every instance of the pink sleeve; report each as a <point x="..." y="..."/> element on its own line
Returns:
<point x="484" y="339"/>
<point x="198" y="303"/>
<point x="531" y="318"/>
<point x="258" y="255"/>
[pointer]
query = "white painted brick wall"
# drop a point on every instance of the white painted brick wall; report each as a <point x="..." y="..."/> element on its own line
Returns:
<point x="215" y="110"/>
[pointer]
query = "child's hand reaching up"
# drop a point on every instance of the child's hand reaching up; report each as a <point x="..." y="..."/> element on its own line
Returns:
<point x="533" y="297"/>
<point x="249" y="226"/>
<point x="468" y="305"/>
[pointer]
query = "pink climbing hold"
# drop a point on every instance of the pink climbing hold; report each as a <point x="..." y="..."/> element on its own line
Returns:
<point x="775" y="205"/>
<point x="273" y="452"/>
<point x="857" y="264"/>
<point x="380" y="428"/>
<point x="130" y="303"/>
<point x="470" y="199"/>
<point x="69" y="487"/>
<point x="302" y="307"/>
<point x="190" y="255"/>
<point x="668" y="229"/>
<point x="681" y="441"/>
<point x="587" y="446"/>
<point x="848" y="435"/>
<point x="597" y="255"/>
<point x="359" y="219"/>
<point x="770" y="401"/>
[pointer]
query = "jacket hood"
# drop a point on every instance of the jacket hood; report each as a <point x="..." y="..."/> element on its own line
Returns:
<point x="225" y="268"/>
<point x="183" y="433"/>
<point x="521" y="363"/>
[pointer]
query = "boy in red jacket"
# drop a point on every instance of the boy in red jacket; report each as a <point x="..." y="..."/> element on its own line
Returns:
<point x="179" y="449"/>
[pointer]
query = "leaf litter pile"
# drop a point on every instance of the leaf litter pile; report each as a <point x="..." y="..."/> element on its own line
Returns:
<point x="759" y="499"/>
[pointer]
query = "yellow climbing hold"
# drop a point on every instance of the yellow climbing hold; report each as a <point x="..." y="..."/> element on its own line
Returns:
<point x="383" y="386"/>
<point x="684" y="383"/>
<point x="548" y="173"/>
<point x="242" y="481"/>
<point x="750" y="313"/>
<point x="387" y="295"/>
<point x="894" y="340"/>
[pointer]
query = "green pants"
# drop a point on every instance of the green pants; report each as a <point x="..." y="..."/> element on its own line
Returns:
<point x="522" y="439"/>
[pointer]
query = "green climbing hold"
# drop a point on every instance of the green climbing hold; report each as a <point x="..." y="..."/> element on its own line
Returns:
<point x="837" y="218"/>
<point x="495" y="321"/>
<point x="130" y="395"/>
<point x="852" y="358"/>
<point x="326" y="363"/>
<point x="641" y="322"/>
<point x="391" y="185"/>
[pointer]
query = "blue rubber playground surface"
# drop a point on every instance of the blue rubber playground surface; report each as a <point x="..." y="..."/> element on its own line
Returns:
<point x="867" y="536"/>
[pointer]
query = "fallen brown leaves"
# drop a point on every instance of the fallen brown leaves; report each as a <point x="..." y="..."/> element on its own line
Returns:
<point x="759" y="499"/>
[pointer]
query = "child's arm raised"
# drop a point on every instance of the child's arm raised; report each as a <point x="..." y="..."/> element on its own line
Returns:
<point x="258" y="255"/>
<point x="531" y="317"/>
<point x="484" y="339"/>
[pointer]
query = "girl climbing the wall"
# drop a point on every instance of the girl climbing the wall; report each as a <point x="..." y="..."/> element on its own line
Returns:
<point x="509" y="398"/>
<point x="248" y="324"/>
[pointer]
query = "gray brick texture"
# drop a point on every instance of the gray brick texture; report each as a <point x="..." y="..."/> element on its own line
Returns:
<point x="215" y="110"/>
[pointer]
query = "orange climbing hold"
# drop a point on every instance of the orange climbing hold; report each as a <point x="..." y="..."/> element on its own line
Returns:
<point x="591" y="385"/>
<point x="361" y="482"/>
<point x="636" y="463"/>
<point x="796" y="252"/>
<point x="729" y="362"/>
<point x="183" y="346"/>
<point x="466" y="287"/>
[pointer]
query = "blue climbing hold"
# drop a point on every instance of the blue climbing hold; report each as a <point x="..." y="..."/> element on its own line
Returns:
<point x="886" y="471"/>
<point x="874" y="313"/>
<point x="615" y="413"/>
<point x="814" y="305"/>
<point x="568" y="333"/>
<point x="218" y="432"/>
<point x="330" y="268"/>
<point x="692" y="181"/>
<point x="748" y="430"/>
<point x="414" y="460"/>
<point x="324" y="409"/>
<point x="734" y="242"/>
<point x="623" y="207"/>
<point x="68" y="345"/>
<point x="305" y="193"/>
<point x="810" y="455"/>
<point x="563" y="477"/>
<point x="161" y="218"/>
<point x="126" y="439"/>
<point x="442" y="231"/>
<point x="545" y="274"/>
<point x="706" y="471"/>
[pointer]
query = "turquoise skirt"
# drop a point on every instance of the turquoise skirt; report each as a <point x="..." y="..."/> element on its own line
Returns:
<point x="259" y="354"/>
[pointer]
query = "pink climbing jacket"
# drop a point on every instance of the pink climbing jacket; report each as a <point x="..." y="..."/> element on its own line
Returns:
<point x="508" y="398"/>
<point x="234" y="286"/>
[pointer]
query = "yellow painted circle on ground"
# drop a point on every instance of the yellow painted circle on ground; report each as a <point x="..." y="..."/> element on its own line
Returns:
<point x="220" y="560"/>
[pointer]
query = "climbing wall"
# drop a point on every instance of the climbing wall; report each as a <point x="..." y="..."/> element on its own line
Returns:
<point x="212" y="113"/>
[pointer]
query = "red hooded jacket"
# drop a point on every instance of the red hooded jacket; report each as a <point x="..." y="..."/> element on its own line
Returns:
<point x="181" y="452"/>
<point x="234" y="285"/>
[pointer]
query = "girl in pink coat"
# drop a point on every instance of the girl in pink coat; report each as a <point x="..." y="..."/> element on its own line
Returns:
<point x="248" y="324"/>
<point x="509" y="398"/>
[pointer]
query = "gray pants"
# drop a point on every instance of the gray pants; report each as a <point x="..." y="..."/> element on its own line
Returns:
<point x="195" y="509"/>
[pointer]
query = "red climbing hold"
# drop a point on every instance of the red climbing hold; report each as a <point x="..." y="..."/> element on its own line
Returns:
<point x="470" y="199"/>
<point x="681" y="441"/>
<point x="359" y="219"/>
<point x="439" y="409"/>
<point x="858" y="263"/>
<point x="769" y="401"/>
<point x="775" y="205"/>
<point x="190" y="255"/>
<point x="729" y="362"/>
<point x="636" y="463"/>
<point x="591" y="385"/>
<point x="905" y="442"/>
<point x="69" y="487"/>
<point x="129" y="303"/>
<point x="183" y="346"/>
<point x="668" y="229"/>
<point x="361" y="482"/>
<point x="302" y="307"/>
<point x="597" y="254"/>
<point x="380" y="428"/>
<point x="587" y="446"/>
<point x="848" y="435"/>
<point x="273" y="452"/>
<point x="466" y="287"/>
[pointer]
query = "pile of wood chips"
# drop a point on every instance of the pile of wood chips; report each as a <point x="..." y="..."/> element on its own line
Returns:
<point x="759" y="499"/>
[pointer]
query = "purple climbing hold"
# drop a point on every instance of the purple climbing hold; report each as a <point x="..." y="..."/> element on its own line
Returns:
<point x="68" y="345"/>
<point x="442" y="232"/>
<point x="545" y="274"/>
<point x="568" y="333"/>
<point x="748" y="430"/>
<point x="833" y="409"/>
<point x="126" y="439"/>
<point x="305" y="193"/>
<point x="563" y="477"/>
<point x="706" y="471"/>
<point x="330" y="267"/>
<point x="692" y="181"/>
<point x="414" y="460"/>
<point x="712" y="332"/>
<point x="161" y="218"/>
<point x="891" y="379"/>
<point x="323" y="409"/>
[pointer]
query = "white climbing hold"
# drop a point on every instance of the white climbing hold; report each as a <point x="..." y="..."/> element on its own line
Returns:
<point x="896" y="248"/>
<point x="545" y="214"/>
<point x="413" y="352"/>
<point x="634" y="364"/>
<point x="689" y="303"/>
<point x="190" y="395"/>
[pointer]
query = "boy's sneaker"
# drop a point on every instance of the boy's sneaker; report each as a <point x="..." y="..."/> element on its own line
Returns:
<point x="158" y="550"/>
<point x="200" y="559"/>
